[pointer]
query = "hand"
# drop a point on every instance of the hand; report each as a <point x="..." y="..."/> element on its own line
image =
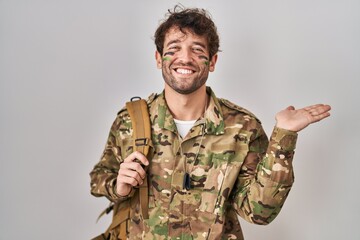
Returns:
<point x="296" y="120"/>
<point x="131" y="173"/>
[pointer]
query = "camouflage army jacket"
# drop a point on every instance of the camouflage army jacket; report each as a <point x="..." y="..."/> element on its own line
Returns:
<point x="233" y="167"/>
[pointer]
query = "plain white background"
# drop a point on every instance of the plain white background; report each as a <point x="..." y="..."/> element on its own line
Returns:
<point x="67" y="67"/>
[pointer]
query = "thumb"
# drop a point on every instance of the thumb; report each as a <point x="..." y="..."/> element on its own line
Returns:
<point x="290" y="108"/>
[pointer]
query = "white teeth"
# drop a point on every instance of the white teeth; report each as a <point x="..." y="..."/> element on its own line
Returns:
<point x="184" y="71"/>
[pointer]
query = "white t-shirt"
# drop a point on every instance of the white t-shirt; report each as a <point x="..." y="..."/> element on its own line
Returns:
<point x="184" y="127"/>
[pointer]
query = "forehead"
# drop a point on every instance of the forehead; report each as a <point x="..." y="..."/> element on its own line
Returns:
<point x="176" y="35"/>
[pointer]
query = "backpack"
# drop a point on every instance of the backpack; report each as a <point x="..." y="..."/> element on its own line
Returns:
<point x="139" y="114"/>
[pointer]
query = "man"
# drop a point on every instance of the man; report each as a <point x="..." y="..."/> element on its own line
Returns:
<point x="211" y="159"/>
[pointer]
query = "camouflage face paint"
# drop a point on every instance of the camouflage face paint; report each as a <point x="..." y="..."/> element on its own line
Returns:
<point x="206" y="59"/>
<point x="166" y="58"/>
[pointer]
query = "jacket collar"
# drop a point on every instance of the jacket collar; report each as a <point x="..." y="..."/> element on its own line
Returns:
<point x="212" y="121"/>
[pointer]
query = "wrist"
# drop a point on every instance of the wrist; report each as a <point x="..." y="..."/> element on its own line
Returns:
<point x="285" y="127"/>
<point x="122" y="192"/>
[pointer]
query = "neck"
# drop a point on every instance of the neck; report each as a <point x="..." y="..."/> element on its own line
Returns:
<point x="186" y="107"/>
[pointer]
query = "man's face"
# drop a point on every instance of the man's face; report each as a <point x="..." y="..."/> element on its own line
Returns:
<point x="185" y="62"/>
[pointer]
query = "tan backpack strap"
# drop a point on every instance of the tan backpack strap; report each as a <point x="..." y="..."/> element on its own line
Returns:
<point x="106" y="211"/>
<point x="140" y="119"/>
<point x="119" y="220"/>
<point x="139" y="114"/>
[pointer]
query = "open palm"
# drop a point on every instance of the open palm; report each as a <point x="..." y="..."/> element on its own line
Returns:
<point x="298" y="119"/>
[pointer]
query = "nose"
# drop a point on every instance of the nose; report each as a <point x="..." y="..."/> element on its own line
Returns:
<point x="185" y="56"/>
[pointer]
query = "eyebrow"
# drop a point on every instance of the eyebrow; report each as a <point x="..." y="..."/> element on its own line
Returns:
<point x="200" y="44"/>
<point x="173" y="41"/>
<point x="177" y="41"/>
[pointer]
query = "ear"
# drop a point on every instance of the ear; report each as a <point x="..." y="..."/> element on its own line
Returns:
<point x="212" y="63"/>
<point x="158" y="60"/>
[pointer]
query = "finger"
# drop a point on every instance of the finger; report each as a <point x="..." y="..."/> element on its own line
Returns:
<point x="290" y="108"/>
<point x="128" y="180"/>
<point x="323" y="109"/>
<point x="137" y="156"/>
<point x="131" y="174"/>
<point x="308" y="108"/>
<point x="320" y="116"/>
<point x="319" y="109"/>
<point x="134" y="167"/>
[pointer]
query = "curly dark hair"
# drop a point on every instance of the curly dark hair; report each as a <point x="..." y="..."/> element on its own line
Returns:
<point x="196" y="20"/>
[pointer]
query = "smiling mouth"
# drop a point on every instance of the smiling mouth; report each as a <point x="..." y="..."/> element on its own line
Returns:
<point x="184" y="71"/>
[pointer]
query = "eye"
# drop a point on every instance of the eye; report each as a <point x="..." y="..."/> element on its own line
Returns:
<point x="171" y="50"/>
<point x="198" y="50"/>
<point x="169" y="53"/>
<point x="174" y="48"/>
<point x="204" y="57"/>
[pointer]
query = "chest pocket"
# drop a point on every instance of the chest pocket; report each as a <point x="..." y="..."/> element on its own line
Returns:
<point x="214" y="180"/>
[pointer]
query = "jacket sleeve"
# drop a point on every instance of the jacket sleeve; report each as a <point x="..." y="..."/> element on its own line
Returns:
<point x="265" y="177"/>
<point x="104" y="174"/>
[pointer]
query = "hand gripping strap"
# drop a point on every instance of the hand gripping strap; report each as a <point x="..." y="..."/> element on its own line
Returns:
<point x="140" y="119"/>
<point x="138" y="111"/>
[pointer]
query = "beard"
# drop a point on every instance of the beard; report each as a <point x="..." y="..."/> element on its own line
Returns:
<point x="186" y="84"/>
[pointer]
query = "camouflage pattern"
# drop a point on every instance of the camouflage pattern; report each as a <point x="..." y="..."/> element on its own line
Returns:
<point x="237" y="171"/>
